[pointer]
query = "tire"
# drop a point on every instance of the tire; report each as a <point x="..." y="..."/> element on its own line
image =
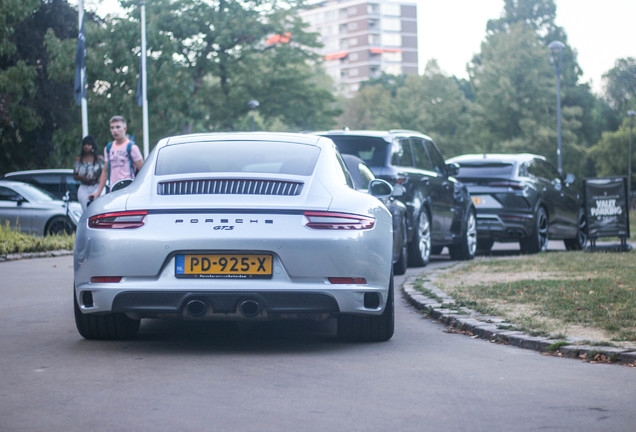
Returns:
<point x="538" y="240"/>
<point x="113" y="326"/>
<point x="580" y="241"/>
<point x="420" y="246"/>
<point x="485" y="245"/>
<point x="400" y="266"/>
<point x="58" y="225"/>
<point x="436" y="250"/>
<point x="379" y="328"/>
<point x="466" y="248"/>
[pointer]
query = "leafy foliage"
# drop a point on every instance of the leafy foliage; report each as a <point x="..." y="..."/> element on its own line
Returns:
<point x="12" y="242"/>
<point x="206" y="60"/>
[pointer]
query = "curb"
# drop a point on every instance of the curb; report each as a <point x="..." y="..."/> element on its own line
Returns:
<point x="29" y="255"/>
<point x="464" y="320"/>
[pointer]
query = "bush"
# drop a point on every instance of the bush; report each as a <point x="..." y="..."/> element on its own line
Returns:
<point x="17" y="242"/>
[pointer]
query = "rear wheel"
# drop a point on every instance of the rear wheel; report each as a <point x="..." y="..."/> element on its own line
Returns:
<point x="465" y="249"/>
<point x="379" y="328"/>
<point x="538" y="240"/>
<point x="580" y="241"/>
<point x="485" y="245"/>
<point x="59" y="225"/>
<point x="113" y="326"/>
<point x="436" y="250"/>
<point x="420" y="247"/>
<point x="400" y="266"/>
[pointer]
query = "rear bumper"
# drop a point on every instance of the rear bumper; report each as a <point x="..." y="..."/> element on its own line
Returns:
<point x="504" y="227"/>
<point x="296" y="301"/>
<point x="222" y="305"/>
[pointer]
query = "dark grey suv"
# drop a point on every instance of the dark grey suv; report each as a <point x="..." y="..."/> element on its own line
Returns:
<point x="440" y="212"/>
<point x="522" y="198"/>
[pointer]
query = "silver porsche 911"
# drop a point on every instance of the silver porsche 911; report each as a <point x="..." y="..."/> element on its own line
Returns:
<point x="237" y="226"/>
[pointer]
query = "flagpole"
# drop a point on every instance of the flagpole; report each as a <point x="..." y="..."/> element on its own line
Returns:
<point x="83" y="103"/>
<point x="143" y="77"/>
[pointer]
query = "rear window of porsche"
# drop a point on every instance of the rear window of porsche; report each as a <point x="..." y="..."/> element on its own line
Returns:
<point x="238" y="156"/>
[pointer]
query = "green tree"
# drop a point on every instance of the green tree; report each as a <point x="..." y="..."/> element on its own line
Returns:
<point x="540" y="16"/>
<point x="610" y="154"/>
<point x="434" y="104"/>
<point x="205" y="61"/>
<point x="620" y="85"/>
<point x="18" y="117"/>
<point x="515" y="93"/>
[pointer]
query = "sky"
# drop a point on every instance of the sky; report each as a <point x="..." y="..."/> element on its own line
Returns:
<point x="601" y="32"/>
<point x="451" y="31"/>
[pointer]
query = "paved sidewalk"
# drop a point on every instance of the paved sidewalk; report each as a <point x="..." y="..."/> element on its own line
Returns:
<point x="464" y="320"/>
<point x="28" y="255"/>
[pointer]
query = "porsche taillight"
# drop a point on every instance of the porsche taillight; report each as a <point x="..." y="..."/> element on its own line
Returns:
<point x="118" y="220"/>
<point x="338" y="221"/>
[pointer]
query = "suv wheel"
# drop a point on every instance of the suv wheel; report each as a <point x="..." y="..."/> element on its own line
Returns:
<point x="465" y="249"/>
<point x="580" y="241"/>
<point x="420" y="247"/>
<point x="399" y="268"/>
<point x="484" y="245"/>
<point x="538" y="240"/>
<point x="377" y="328"/>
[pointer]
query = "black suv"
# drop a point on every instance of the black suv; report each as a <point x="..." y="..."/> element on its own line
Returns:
<point x="522" y="198"/>
<point x="440" y="212"/>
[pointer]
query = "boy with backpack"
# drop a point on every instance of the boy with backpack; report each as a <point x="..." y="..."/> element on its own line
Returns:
<point x="122" y="157"/>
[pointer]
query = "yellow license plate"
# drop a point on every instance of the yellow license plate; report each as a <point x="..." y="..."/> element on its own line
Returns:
<point x="232" y="266"/>
<point x="476" y="200"/>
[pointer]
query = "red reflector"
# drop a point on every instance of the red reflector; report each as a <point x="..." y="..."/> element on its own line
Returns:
<point x="119" y="220"/>
<point x="106" y="279"/>
<point x="337" y="221"/>
<point x="347" y="280"/>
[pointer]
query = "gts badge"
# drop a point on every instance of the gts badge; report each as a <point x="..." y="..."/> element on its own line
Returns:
<point x="225" y="224"/>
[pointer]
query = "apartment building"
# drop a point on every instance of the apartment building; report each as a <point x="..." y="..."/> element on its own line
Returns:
<point x="364" y="38"/>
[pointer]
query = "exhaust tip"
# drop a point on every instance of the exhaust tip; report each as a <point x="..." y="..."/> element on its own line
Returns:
<point x="250" y="308"/>
<point x="196" y="308"/>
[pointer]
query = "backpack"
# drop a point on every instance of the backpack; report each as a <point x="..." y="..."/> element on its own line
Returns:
<point x="128" y="148"/>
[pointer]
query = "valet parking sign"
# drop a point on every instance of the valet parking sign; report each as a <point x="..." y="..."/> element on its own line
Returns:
<point x="606" y="207"/>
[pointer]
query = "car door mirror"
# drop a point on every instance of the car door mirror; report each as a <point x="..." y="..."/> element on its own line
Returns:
<point x="452" y="169"/>
<point x="569" y="179"/>
<point x="18" y="199"/>
<point x="380" y="188"/>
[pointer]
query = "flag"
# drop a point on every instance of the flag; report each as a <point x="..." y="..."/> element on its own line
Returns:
<point x="140" y="94"/>
<point x="80" y="66"/>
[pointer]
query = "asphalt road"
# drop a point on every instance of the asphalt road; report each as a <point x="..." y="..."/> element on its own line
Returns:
<point x="280" y="376"/>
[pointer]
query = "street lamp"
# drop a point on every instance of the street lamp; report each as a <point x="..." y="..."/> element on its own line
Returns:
<point x="253" y="104"/>
<point x="557" y="55"/>
<point x="631" y="115"/>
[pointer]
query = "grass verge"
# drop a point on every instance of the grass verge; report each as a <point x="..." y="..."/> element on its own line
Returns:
<point x="12" y="242"/>
<point x="582" y="294"/>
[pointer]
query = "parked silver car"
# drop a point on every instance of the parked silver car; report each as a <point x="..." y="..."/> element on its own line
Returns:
<point x="32" y="210"/>
<point x="57" y="182"/>
<point x="237" y="226"/>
